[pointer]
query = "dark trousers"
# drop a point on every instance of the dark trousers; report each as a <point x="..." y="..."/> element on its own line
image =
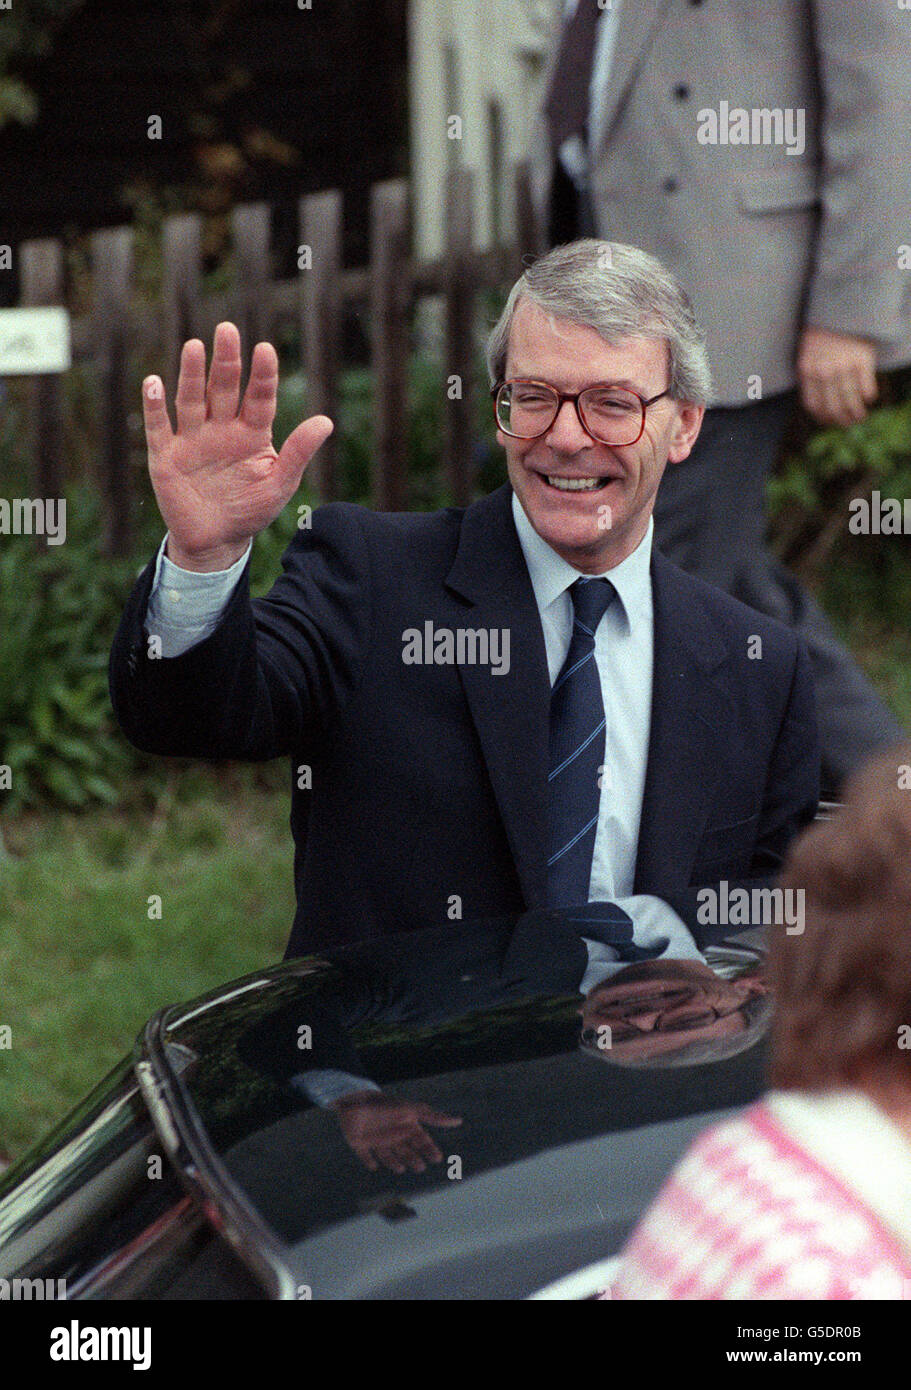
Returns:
<point x="710" y="518"/>
<point x="571" y="212"/>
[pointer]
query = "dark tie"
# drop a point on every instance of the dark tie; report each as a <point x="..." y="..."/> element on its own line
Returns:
<point x="576" y="750"/>
<point x="567" y="100"/>
<point x="608" y="923"/>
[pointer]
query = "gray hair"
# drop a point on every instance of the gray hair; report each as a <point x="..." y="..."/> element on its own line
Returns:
<point x="620" y="292"/>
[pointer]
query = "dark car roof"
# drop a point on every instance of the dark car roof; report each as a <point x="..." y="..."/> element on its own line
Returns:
<point x="559" y="1149"/>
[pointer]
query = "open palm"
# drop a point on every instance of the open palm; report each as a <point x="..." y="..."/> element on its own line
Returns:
<point x="219" y="479"/>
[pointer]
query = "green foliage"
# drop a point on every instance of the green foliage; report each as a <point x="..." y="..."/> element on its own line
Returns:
<point x="862" y="581"/>
<point x="809" y="505"/>
<point x="876" y="452"/>
<point x="59" y="611"/>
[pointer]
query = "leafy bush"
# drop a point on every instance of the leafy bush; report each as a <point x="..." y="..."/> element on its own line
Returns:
<point x="821" y="474"/>
<point x="59" y="615"/>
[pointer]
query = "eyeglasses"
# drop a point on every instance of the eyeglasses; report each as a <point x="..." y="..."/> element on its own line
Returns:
<point x="671" y="1011"/>
<point x="609" y="414"/>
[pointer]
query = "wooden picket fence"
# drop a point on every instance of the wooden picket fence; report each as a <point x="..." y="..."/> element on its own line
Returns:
<point x="390" y="286"/>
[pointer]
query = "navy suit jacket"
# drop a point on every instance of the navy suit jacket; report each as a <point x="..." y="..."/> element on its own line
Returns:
<point x="429" y="782"/>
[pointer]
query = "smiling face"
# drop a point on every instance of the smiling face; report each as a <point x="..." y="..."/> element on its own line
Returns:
<point x="597" y="525"/>
<point x="659" y="1006"/>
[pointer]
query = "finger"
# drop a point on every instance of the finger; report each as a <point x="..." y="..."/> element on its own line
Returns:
<point x="833" y="405"/>
<point x="366" y="1157"/>
<point x="391" y="1159"/>
<point x="852" y="405"/>
<point x="869" y="386"/>
<point x="809" y="394"/>
<point x="258" y="409"/>
<point x="424" y="1145"/>
<point x="410" y="1158"/>
<point x="223" y="391"/>
<point x="437" y="1117"/>
<point x="191" y="386"/>
<point x="414" y="1158"/>
<point x="299" y="448"/>
<point x="813" y="399"/>
<point x="155" y="415"/>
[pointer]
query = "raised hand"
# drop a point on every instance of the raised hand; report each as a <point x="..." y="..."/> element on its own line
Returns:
<point x="218" y="478"/>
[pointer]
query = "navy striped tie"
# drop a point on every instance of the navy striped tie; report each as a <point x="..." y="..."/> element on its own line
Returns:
<point x="576" y="750"/>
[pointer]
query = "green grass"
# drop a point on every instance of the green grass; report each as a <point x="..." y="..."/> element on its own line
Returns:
<point x="884" y="654"/>
<point x="81" y="964"/>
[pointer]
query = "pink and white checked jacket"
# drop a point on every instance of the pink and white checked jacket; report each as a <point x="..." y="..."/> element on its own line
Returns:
<point x="800" y="1197"/>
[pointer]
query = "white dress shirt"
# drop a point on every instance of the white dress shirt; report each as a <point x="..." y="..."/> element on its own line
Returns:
<point x="624" y="641"/>
<point x="185" y="605"/>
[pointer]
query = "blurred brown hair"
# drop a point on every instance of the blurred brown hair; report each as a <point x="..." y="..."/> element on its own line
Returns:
<point x="843" y="987"/>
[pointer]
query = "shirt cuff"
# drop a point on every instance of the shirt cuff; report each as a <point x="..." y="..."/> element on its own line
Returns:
<point x="574" y="158"/>
<point x="185" y="605"/>
<point x="653" y="919"/>
<point x="328" y="1085"/>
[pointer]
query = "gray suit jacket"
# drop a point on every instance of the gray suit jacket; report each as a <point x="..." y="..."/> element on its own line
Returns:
<point x="762" y="240"/>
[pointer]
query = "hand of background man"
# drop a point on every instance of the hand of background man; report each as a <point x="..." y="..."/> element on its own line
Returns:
<point x="837" y="375"/>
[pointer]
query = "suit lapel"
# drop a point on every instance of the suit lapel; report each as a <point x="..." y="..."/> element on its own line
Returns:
<point x="638" y="20"/>
<point x="510" y="711"/>
<point x="690" y="702"/>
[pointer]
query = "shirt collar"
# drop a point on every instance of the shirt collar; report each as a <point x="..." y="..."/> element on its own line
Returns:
<point x="551" y="575"/>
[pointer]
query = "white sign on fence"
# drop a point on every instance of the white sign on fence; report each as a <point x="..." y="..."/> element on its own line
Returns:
<point x="33" y="341"/>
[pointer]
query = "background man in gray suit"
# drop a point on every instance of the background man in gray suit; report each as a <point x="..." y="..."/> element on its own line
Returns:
<point x="764" y="154"/>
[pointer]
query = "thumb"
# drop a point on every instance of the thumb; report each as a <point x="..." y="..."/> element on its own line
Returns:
<point x="300" y="446"/>
<point x="868" y="383"/>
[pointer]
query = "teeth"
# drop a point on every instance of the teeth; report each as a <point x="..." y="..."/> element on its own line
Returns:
<point x="574" y="484"/>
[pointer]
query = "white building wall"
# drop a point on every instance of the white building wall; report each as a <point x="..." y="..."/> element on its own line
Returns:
<point x="464" y="57"/>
